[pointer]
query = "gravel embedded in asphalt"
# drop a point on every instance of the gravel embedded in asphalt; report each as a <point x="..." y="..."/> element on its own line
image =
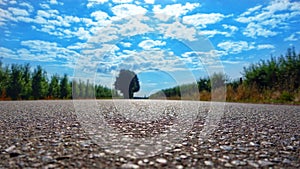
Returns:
<point x="49" y="134"/>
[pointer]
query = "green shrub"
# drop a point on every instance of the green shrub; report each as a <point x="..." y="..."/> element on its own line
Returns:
<point x="286" y="96"/>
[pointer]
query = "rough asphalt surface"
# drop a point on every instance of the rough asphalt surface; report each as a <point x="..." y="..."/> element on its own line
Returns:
<point x="49" y="134"/>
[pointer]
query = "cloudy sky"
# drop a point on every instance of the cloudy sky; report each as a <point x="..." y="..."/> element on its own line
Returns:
<point x="165" y="42"/>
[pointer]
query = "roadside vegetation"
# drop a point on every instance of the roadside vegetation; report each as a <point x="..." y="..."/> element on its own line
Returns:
<point x="276" y="80"/>
<point x="18" y="82"/>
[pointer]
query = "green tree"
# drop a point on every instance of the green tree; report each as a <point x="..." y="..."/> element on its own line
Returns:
<point x="81" y="89"/>
<point x="218" y="80"/>
<point x="4" y="80"/>
<point x="70" y="88"/>
<point x="54" y="88"/>
<point x="281" y="74"/>
<point x="65" y="90"/>
<point x="75" y="89"/>
<point x="89" y="90"/>
<point x="204" y="84"/>
<point x="39" y="83"/>
<point x="103" y="92"/>
<point x="27" y="82"/>
<point x="15" y="82"/>
<point x="127" y="82"/>
<point x="172" y="92"/>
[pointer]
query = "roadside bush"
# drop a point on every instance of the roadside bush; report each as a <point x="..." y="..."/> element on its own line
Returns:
<point x="205" y="96"/>
<point x="286" y="96"/>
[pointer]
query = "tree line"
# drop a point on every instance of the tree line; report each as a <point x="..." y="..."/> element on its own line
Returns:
<point x="188" y="91"/>
<point x="282" y="73"/>
<point x="272" y="80"/>
<point x="18" y="82"/>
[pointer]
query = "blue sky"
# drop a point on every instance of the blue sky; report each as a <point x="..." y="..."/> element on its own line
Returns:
<point x="165" y="42"/>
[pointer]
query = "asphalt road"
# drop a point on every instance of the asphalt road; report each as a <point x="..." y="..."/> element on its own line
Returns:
<point x="148" y="134"/>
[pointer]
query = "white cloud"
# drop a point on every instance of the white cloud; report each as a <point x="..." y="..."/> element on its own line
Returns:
<point x="82" y="33"/>
<point x="49" y="21"/>
<point x="292" y="37"/>
<point x="38" y="44"/>
<point x="174" y="10"/>
<point x="295" y="6"/>
<point x="138" y="61"/>
<point x="262" y="21"/>
<point x="212" y="33"/>
<point x="53" y="12"/>
<point x="104" y="35"/>
<point x="40" y="20"/>
<point x="5" y="16"/>
<point x="149" y="44"/>
<point x="100" y="52"/>
<point x="210" y="59"/>
<point x="13" y="2"/>
<point x="24" y="19"/>
<point x="30" y="7"/>
<point x="7" y="33"/>
<point x="48" y="14"/>
<point x="68" y="32"/>
<point x="25" y="54"/>
<point x="43" y="14"/>
<point x="203" y="19"/>
<point x="251" y="10"/>
<point x="45" y="6"/>
<point x="275" y="22"/>
<point x="125" y="10"/>
<point x="231" y="27"/>
<point x="234" y="47"/>
<point x="176" y="30"/>
<point x="91" y="3"/>
<point x="59" y="21"/>
<point x="100" y="15"/>
<point x="18" y="12"/>
<point x="199" y="54"/>
<point x="54" y="2"/>
<point x="6" y="53"/>
<point x="45" y="51"/>
<point x="77" y="46"/>
<point x="269" y="12"/>
<point x="232" y="62"/>
<point x="253" y="30"/>
<point x="119" y="28"/>
<point x="14" y="14"/>
<point x="265" y="46"/>
<point x="133" y="27"/>
<point x="149" y="60"/>
<point x="39" y="51"/>
<point x="2" y="2"/>
<point x="109" y="48"/>
<point x="70" y="19"/>
<point x="278" y="5"/>
<point x="122" y="1"/>
<point x="126" y="44"/>
<point x="149" y="1"/>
